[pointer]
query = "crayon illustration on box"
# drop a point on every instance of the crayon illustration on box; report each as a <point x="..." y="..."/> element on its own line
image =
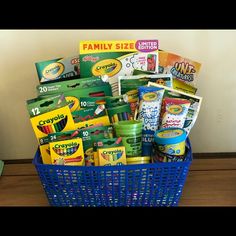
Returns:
<point x="68" y="152"/>
<point x="50" y="115"/>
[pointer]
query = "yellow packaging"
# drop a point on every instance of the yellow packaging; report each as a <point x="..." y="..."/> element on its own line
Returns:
<point x="45" y="153"/>
<point x="53" y="121"/>
<point x="95" y="158"/>
<point x="104" y="120"/>
<point x="111" y="156"/>
<point x="67" y="152"/>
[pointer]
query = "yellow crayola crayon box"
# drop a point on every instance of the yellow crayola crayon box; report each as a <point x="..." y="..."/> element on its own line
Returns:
<point x="116" y="58"/>
<point x="53" y="121"/>
<point x="104" y="120"/>
<point x="67" y="152"/>
<point x="112" y="156"/>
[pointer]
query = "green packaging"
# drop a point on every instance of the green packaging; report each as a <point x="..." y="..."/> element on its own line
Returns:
<point x="89" y="136"/>
<point x="38" y="106"/>
<point x="58" y="69"/>
<point x="74" y="89"/>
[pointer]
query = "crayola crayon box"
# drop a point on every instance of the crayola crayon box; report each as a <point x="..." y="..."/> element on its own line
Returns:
<point x="105" y="143"/>
<point x="89" y="135"/>
<point x="50" y="115"/>
<point x="67" y="152"/>
<point x="112" y="156"/>
<point x="115" y="58"/>
<point x="74" y="89"/>
<point x="58" y="69"/>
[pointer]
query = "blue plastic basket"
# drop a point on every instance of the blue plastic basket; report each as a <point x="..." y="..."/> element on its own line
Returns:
<point x="157" y="184"/>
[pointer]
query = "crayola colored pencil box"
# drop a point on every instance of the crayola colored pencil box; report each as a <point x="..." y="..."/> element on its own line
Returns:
<point x="58" y="69"/>
<point x="105" y="143"/>
<point x="74" y="89"/>
<point x="67" y="152"/>
<point x="50" y="115"/>
<point x="181" y="68"/>
<point x="89" y="135"/>
<point x="115" y="58"/>
<point x="112" y="156"/>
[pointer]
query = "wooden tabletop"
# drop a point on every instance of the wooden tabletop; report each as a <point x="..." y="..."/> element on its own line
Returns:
<point x="210" y="182"/>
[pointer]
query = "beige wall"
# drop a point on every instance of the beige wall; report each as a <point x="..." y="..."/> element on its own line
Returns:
<point x="214" y="130"/>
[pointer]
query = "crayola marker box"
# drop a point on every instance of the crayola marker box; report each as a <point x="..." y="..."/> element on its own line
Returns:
<point x="89" y="135"/>
<point x="67" y="152"/>
<point x="105" y="143"/>
<point x="50" y="115"/>
<point x="74" y="89"/>
<point x="58" y="69"/>
<point x="112" y="156"/>
<point x="115" y="58"/>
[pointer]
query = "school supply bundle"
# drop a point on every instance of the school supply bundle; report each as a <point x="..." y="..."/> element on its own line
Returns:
<point x="109" y="111"/>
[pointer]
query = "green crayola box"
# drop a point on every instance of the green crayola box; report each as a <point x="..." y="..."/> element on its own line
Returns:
<point x="45" y="150"/>
<point x="86" y="102"/>
<point x="112" y="156"/>
<point x="67" y="152"/>
<point x="74" y="89"/>
<point x="58" y="69"/>
<point x="115" y="58"/>
<point x="49" y="116"/>
<point x="89" y="135"/>
<point x="105" y="143"/>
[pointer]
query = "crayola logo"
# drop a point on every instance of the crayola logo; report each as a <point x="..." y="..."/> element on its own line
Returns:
<point x="51" y="120"/>
<point x="73" y="103"/>
<point x="67" y="149"/>
<point x="175" y="109"/>
<point x="107" y="67"/>
<point x="53" y="70"/>
<point x="150" y="96"/>
<point x="50" y="126"/>
<point x="112" y="155"/>
<point x="69" y="145"/>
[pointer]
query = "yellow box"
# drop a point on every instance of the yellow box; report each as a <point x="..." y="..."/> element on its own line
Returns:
<point x="67" y="152"/>
<point x="112" y="156"/>
<point x="45" y="153"/>
<point x="53" y="121"/>
<point x="104" y="120"/>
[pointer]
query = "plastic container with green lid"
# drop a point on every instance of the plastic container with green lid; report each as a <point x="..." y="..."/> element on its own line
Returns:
<point x="171" y="140"/>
